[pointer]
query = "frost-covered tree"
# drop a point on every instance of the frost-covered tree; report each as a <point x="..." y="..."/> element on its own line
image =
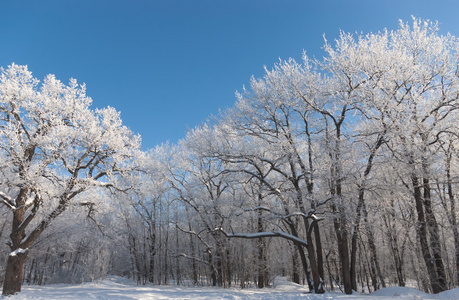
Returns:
<point x="195" y="181"/>
<point x="52" y="147"/>
<point x="323" y="134"/>
<point x="408" y="85"/>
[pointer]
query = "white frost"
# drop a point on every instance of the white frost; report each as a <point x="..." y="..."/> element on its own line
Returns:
<point x="18" y="250"/>
<point x="6" y="197"/>
<point x="29" y="201"/>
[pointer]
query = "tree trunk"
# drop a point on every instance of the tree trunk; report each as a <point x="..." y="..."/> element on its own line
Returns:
<point x="421" y="230"/>
<point x="320" y="257"/>
<point x="262" y="268"/>
<point x="295" y="269"/>
<point x="213" y="270"/>
<point x="343" y="251"/>
<point x="393" y="242"/>
<point x="330" y="276"/>
<point x="340" y="222"/>
<point x="372" y="245"/>
<point x="302" y="256"/>
<point x="193" y="263"/>
<point x="435" y="244"/>
<point x="229" y="267"/>
<point x="16" y="259"/>
<point x="360" y="206"/>
<point x="152" y="246"/>
<point x="354" y="238"/>
<point x="317" y="279"/>
<point x="14" y="273"/>
<point x="219" y="262"/>
<point x="166" y="257"/>
<point x="343" y="248"/>
<point x="262" y="260"/>
<point x="452" y="210"/>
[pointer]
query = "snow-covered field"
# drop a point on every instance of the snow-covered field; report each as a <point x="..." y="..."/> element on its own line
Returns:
<point x="119" y="288"/>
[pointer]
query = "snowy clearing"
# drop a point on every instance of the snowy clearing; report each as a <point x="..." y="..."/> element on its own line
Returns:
<point x="120" y="288"/>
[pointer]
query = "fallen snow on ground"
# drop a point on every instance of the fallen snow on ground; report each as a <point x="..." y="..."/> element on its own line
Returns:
<point x="113" y="288"/>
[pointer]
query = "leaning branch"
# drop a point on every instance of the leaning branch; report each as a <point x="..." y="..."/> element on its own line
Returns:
<point x="257" y="235"/>
<point x="192" y="258"/>
<point x="8" y="201"/>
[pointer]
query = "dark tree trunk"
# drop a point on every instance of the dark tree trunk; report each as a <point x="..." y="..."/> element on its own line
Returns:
<point x="320" y="257"/>
<point x="316" y="277"/>
<point x="340" y="222"/>
<point x="228" y="267"/>
<point x="422" y="235"/>
<point x="314" y="255"/>
<point x="177" y="261"/>
<point x="166" y="257"/>
<point x="452" y="212"/>
<point x="330" y="276"/>
<point x="16" y="259"/>
<point x="213" y="270"/>
<point x="435" y="244"/>
<point x="295" y="269"/>
<point x="395" y="251"/>
<point x="372" y="245"/>
<point x="300" y="249"/>
<point x="262" y="268"/>
<point x="354" y="238"/>
<point x="152" y="246"/>
<point x="193" y="254"/>
<point x="360" y="206"/>
<point x="135" y="257"/>
<point x="14" y="273"/>
<point x="219" y="263"/>
<point x="19" y="240"/>
<point x="262" y="259"/>
<point x="343" y="252"/>
<point x="151" y="271"/>
<point x="305" y="266"/>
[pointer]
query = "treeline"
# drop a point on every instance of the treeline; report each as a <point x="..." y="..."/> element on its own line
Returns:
<point x="340" y="173"/>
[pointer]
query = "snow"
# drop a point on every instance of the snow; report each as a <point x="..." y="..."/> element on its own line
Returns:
<point x="17" y="251"/>
<point x="397" y="290"/>
<point x="114" y="287"/>
<point x="3" y="195"/>
<point x="450" y="295"/>
<point x="29" y="201"/>
<point x="7" y="200"/>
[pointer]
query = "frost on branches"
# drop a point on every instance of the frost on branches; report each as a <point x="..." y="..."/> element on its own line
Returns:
<point x="371" y="127"/>
<point x="52" y="148"/>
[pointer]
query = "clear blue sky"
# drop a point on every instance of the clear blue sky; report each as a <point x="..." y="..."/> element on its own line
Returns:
<point x="167" y="65"/>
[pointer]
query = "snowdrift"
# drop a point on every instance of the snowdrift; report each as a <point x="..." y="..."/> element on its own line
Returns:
<point x="114" y="288"/>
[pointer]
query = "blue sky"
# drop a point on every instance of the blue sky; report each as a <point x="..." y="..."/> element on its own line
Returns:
<point x="168" y="65"/>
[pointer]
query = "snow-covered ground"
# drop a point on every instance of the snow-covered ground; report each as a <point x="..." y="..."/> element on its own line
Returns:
<point x="119" y="288"/>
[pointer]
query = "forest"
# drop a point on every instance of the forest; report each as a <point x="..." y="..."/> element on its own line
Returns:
<point x="340" y="173"/>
